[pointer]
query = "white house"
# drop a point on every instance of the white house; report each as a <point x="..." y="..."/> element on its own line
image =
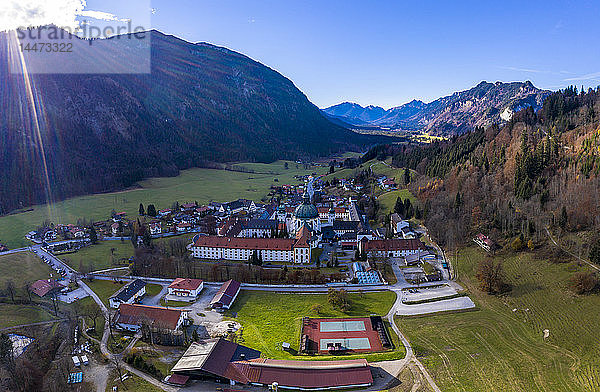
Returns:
<point x="128" y="294"/>
<point x="186" y="288"/>
<point x="155" y="228"/>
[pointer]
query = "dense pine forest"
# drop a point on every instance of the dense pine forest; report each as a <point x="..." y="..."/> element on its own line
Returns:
<point x="539" y="170"/>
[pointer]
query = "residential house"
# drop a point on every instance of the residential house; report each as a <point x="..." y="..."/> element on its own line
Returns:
<point x="155" y="228"/>
<point x="186" y="288"/>
<point x="46" y="287"/>
<point x="128" y="294"/>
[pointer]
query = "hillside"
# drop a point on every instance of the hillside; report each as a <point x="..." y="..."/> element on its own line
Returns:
<point x="101" y="132"/>
<point x="539" y="170"/>
<point x="482" y="105"/>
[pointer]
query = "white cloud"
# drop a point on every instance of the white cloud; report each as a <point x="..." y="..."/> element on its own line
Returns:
<point x="101" y="15"/>
<point x="25" y="13"/>
<point x="62" y="13"/>
<point x="592" y="76"/>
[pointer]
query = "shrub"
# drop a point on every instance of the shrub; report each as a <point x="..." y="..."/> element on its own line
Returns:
<point x="583" y="282"/>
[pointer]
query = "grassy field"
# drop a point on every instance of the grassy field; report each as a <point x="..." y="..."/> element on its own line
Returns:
<point x="268" y="319"/>
<point x="202" y="185"/>
<point x="99" y="256"/>
<point x="104" y="288"/>
<point x="132" y="383"/>
<point x="387" y="201"/>
<point x="12" y="315"/>
<point x="153" y="289"/>
<point x="22" y="268"/>
<point x="501" y="346"/>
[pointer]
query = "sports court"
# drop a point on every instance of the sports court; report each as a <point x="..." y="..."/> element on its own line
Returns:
<point x="339" y="336"/>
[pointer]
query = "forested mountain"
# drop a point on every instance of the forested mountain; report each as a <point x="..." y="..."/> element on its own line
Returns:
<point x="101" y="132"/>
<point x="539" y="170"/>
<point x="482" y="105"/>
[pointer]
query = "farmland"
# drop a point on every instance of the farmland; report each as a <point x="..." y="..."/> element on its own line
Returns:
<point x="501" y="346"/>
<point x="202" y="185"/>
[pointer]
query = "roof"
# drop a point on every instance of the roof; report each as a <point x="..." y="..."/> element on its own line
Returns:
<point x="306" y="210"/>
<point x="267" y="224"/>
<point x="215" y="356"/>
<point x="245" y="243"/>
<point x="177" y="379"/>
<point x="43" y="287"/>
<point x="156" y="316"/>
<point x="226" y="293"/>
<point x="394" y="244"/>
<point x="345" y="225"/>
<point x="129" y="290"/>
<point x="306" y="374"/>
<point x="302" y="237"/>
<point x="185" y="284"/>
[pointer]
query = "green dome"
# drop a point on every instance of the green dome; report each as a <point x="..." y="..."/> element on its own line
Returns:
<point x="306" y="210"/>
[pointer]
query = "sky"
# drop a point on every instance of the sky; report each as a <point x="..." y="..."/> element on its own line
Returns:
<point x="384" y="53"/>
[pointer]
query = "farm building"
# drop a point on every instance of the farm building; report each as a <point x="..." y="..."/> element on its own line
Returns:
<point x="128" y="294"/>
<point x="132" y="317"/>
<point x="224" y="361"/>
<point x="226" y="294"/>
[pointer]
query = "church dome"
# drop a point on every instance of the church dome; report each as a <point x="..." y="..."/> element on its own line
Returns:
<point x="306" y="210"/>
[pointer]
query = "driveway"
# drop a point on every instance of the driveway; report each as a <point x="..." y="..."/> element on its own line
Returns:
<point x="73" y="296"/>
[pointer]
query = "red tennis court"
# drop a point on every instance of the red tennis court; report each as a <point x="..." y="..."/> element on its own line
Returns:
<point x="343" y="335"/>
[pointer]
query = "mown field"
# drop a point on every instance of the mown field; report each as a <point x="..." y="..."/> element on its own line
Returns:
<point x="202" y="185"/>
<point x="22" y="269"/>
<point x="268" y="319"/>
<point x="104" y="288"/>
<point x="501" y="346"/>
<point x="100" y="256"/>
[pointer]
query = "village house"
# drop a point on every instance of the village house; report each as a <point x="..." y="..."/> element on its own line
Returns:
<point x="155" y="228"/>
<point x="186" y="288"/>
<point x="128" y="294"/>
<point x="133" y="317"/>
<point x="183" y="227"/>
<point x="484" y="242"/>
<point x="45" y="287"/>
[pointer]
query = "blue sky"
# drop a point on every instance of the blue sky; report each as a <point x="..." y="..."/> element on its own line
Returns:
<point x="389" y="52"/>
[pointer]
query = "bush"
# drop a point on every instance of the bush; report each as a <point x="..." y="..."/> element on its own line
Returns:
<point x="583" y="282"/>
<point x="517" y="244"/>
<point x="595" y="253"/>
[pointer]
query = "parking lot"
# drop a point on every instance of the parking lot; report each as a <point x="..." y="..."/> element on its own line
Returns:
<point x="427" y="293"/>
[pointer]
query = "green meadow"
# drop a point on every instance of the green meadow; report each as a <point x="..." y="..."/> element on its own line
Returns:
<point x="198" y="184"/>
<point x="501" y="346"/>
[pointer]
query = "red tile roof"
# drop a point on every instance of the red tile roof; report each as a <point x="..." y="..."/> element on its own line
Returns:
<point x="245" y="243"/>
<point x="43" y="287"/>
<point x="307" y="374"/>
<point x="185" y="284"/>
<point x="154" y="315"/>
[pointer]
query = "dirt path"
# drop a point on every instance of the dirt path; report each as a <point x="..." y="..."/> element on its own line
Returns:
<point x="571" y="253"/>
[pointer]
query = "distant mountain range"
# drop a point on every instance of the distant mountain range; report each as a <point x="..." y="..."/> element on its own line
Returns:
<point x="101" y="132"/>
<point x="481" y="105"/>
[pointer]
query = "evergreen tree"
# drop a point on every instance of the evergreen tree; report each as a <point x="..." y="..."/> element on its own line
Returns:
<point x="141" y="209"/>
<point x="93" y="235"/>
<point x="406" y="176"/>
<point x="151" y="210"/>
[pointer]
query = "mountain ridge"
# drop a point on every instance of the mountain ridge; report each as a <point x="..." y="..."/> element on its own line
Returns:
<point x="199" y="104"/>
<point x="482" y="105"/>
